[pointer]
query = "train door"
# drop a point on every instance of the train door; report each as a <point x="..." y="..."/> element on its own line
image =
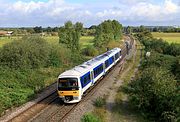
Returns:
<point x="92" y="77"/>
<point x="114" y="60"/>
<point x="104" y="67"/>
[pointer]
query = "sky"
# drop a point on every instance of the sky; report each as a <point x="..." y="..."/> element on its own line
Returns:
<point x="30" y="13"/>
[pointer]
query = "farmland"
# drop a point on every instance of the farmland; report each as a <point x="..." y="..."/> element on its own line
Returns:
<point x="4" y="40"/>
<point x="169" y="37"/>
<point x="84" y="41"/>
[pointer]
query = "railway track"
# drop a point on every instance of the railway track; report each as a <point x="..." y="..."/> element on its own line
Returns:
<point x="61" y="111"/>
<point x="36" y="108"/>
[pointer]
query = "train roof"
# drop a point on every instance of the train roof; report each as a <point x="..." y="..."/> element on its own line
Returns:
<point x="90" y="64"/>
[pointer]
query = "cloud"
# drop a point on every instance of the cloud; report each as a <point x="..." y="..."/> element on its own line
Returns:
<point x="144" y="10"/>
<point x="130" y="2"/>
<point x="170" y="7"/>
<point x="56" y="12"/>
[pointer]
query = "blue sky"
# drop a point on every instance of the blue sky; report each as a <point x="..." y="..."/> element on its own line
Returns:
<point x="18" y="13"/>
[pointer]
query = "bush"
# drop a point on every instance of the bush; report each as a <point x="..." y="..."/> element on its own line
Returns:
<point x="154" y="91"/>
<point x="28" y="52"/>
<point x="100" y="102"/>
<point x="59" y="55"/>
<point x="90" y="51"/>
<point x="160" y="60"/>
<point x="113" y="44"/>
<point x="90" y="118"/>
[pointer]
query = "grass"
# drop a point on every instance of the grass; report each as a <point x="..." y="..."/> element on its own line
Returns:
<point x="4" y="40"/>
<point x="100" y="102"/>
<point x="86" y="40"/>
<point x="169" y="37"/>
<point x="90" y="117"/>
<point x="52" y="39"/>
<point x="123" y="111"/>
<point x="133" y="63"/>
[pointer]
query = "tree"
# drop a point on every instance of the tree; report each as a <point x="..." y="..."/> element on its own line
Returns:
<point x="117" y="28"/>
<point x="38" y="29"/>
<point x="48" y="29"/>
<point x="142" y="28"/>
<point x="55" y="29"/>
<point x="107" y="31"/>
<point x="129" y="30"/>
<point x="154" y="91"/>
<point x="70" y="35"/>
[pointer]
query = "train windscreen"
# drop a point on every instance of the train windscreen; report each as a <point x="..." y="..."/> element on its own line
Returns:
<point x="66" y="84"/>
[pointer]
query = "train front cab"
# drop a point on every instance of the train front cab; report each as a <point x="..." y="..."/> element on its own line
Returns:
<point x="69" y="89"/>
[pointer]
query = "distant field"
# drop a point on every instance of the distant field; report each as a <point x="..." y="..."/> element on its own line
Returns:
<point x="169" y="37"/>
<point x="84" y="41"/>
<point x="4" y="40"/>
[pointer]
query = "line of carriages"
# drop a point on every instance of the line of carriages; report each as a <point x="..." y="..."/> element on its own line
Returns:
<point x="72" y="84"/>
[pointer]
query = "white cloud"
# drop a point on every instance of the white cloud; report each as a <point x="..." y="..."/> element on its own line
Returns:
<point x="170" y="7"/>
<point x="131" y="2"/>
<point x="110" y="13"/>
<point x="166" y="11"/>
<point x="56" y="12"/>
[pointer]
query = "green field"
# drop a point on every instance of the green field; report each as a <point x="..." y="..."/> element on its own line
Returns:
<point x="4" y="40"/>
<point x="169" y="37"/>
<point x="84" y="41"/>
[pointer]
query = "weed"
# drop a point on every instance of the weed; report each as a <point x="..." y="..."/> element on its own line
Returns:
<point x="89" y="117"/>
<point x="100" y="102"/>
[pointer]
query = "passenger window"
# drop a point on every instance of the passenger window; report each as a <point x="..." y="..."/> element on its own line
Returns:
<point x="88" y="77"/>
<point x="85" y="80"/>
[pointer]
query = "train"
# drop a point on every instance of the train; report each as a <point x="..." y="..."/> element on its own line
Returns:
<point x="73" y="83"/>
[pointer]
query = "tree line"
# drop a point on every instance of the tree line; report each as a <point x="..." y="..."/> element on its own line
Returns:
<point x="166" y="29"/>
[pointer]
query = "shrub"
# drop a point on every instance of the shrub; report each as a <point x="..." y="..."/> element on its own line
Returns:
<point x="28" y="52"/>
<point x="113" y="44"/>
<point x="100" y="102"/>
<point x="59" y="55"/>
<point x="154" y="91"/>
<point x="160" y="60"/>
<point x="90" y="51"/>
<point x="101" y="113"/>
<point x="89" y="117"/>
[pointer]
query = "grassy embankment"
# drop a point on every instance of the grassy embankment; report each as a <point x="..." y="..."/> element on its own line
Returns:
<point x="123" y="111"/>
<point x="169" y="37"/>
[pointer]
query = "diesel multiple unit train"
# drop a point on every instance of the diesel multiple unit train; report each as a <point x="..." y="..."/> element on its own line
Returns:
<point x="72" y="84"/>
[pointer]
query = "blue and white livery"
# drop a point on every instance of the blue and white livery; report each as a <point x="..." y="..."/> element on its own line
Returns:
<point x="72" y="84"/>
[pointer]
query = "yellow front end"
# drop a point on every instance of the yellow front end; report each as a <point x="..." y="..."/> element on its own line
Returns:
<point x="70" y="96"/>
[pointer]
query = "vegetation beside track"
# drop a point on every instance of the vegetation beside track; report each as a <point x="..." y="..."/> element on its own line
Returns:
<point x="99" y="114"/>
<point x="123" y="110"/>
<point x="155" y="90"/>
